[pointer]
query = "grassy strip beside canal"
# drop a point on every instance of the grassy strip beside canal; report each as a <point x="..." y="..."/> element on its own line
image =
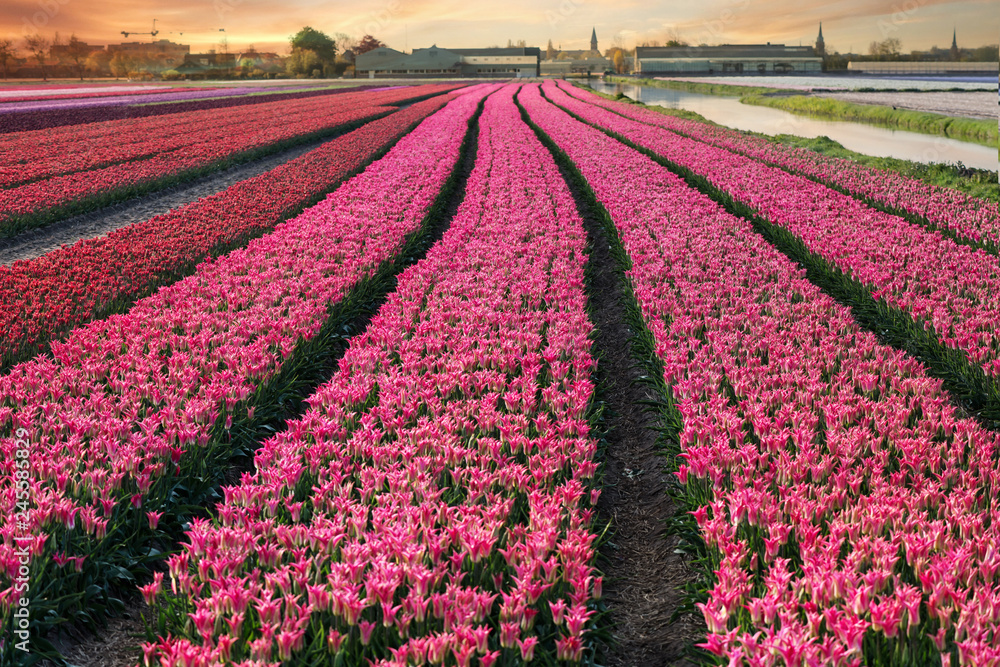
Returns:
<point x="975" y="182"/>
<point x="964" y="129"/>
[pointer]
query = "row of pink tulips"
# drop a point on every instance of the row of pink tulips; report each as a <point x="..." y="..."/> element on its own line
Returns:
<point x="32" y="155"/>
<point x="949" y="288"/>
<point x="110" y="91"/>
<point x="944" y="208"/>
<point x="125" y="403"/>
<point x="433" y="505"/>
<point x="181" y="155"/>
<point x="847" y="505"/>
<point x="44" y="297"/>
<point x="31" y="200"/>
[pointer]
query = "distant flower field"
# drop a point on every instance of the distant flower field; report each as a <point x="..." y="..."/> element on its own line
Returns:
<point x="854" y="82"/>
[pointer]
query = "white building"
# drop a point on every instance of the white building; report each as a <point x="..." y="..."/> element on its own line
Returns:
<point x="908" y="67"/>
<point x="727" y="59"/>
<point x="438" y="62"/>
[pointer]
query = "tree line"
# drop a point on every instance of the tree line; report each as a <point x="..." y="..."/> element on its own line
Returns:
<point x="313" y="54"/>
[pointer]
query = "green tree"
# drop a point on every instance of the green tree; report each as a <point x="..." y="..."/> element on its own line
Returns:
<point x="303" y="62"/>
<point x="834" y="60"/>
<point x="985" y="54"/>
<point x="309" y="39"/>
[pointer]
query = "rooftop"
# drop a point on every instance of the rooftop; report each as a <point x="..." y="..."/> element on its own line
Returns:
<point x="725" y="51"/>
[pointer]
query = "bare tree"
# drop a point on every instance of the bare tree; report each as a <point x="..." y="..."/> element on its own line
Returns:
<point x="888" y="49"/>
<point x="78" y="53"/>
<point x="7" y="53"/>
<point x="224" y="44"/>
<point x="345" y="42"/>
<point x="674" y="38"/>
<point x="39" y="48"/>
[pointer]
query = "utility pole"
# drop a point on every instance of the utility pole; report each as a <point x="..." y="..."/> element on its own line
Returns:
<point x="225" y="51"/>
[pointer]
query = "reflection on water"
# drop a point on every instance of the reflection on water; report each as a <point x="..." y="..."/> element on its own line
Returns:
<point x="859" y="137"/>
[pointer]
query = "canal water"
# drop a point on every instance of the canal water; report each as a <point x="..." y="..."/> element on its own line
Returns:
<point x="867" y="139"/>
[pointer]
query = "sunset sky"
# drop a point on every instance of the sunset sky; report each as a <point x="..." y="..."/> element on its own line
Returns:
<point x="408" y="24"/>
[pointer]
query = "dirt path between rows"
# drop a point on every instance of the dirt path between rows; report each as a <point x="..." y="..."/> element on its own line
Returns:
<point x="643" y="574"/>
<point x="94" y="224"/>
<point x="119" y="645"/>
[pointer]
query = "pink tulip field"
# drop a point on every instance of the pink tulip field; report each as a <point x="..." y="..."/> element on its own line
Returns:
<point x="788" y="411"/>
<point x="424" y="406"/>
<point x="47" y="295"/>
<point x="124" y="155"/>
<point x="951" y="289"/>
<point x="974" y="220"/>
<point x="352" y="411"/>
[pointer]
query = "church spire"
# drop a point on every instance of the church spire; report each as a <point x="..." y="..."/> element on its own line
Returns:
<point x="593" y="40"/>
<point x="954" y="44"/>
<point x="820" y="44"/>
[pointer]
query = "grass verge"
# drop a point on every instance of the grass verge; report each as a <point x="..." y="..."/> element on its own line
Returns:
<point x="964" y="129"/>
<point x="697" y="86"/>
<point x="980" y="183"/>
